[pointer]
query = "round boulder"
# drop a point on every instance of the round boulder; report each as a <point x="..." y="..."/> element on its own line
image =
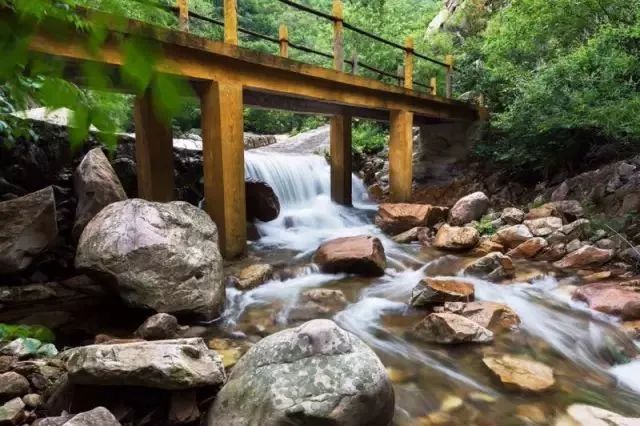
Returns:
<point x="469" y="208"/>
<point x="315" y="374"/>
<point x="262" y="201"/>
<point x="162" y="256"/>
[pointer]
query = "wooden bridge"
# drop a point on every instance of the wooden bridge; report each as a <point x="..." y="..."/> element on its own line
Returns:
<point x="228" y="77"/>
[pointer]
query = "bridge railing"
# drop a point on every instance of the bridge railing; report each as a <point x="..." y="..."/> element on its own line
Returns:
<point x="404" y="76"/>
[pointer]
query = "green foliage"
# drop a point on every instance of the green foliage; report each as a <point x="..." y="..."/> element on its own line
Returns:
<point x="485" y="226"/>
<point x="369" y="137"/>
<point x="278" y="122"/>
<point x="9" y="332"/>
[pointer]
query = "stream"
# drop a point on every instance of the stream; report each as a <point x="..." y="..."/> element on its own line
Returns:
<point x="591" y="358"/>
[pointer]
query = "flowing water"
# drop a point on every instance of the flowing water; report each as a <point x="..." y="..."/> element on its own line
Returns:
<point x="591" y="358"/>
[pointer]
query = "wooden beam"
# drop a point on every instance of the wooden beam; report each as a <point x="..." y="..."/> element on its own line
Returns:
<point x="154" y="152"/>
<point x="284" y="41"/>
<point x="408" y="64"/>
<point x="401" y="155"/>
<point x="449" y="77"/>
<point x="223" y="162"/>
<point x="338" y="35"/>
<point x="183" y="19"/>
<point x="433" y="85"/>
<point x="340" y="153"/>
<point x="231" y="22"/>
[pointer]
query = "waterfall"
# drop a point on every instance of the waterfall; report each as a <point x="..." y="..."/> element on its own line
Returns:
<point x="307" y="215"/>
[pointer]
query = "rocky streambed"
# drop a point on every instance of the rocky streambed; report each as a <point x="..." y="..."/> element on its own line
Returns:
<point x="404" y="314"/>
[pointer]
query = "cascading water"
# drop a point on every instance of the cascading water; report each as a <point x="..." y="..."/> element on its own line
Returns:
<point x="586" y="349"/>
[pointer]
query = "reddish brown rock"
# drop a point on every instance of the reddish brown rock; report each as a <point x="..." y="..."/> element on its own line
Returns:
<point x="529" y="248"/>
<point x="395" y="218"/>
<point x="362" y="255"/>
<point x="456" y="238"/>
<point x="585" y="256"/>
<point x="436" y="291"/>
<point x="610" y="298"/>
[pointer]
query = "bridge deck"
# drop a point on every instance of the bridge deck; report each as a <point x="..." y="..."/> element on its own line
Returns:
<point x="226" y="78"/>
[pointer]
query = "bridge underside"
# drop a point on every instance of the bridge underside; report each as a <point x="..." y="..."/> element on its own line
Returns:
<point x="226" y="78"/>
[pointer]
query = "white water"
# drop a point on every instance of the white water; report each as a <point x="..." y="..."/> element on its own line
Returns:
<point x="586" y="339"/>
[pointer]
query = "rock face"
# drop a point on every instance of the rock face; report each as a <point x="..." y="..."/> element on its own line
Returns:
<point x="469" y="208"/>
<point x="436" y="291"/>
<point x="161" y="256"/>
<point x="28" y="227"/>
<point x="96" y="186"/>
<point x="585" y="256"/>
<point x="262" y="201"/>
<point x="456" y="238"/>
<point x="494" y="266"/>
<point x="315" y="374"/>
<point x="520" y="374"/>
<point x="609" y="298"/>
<point x="163" y="364"/>
<point x="394" y="219"/>
<point x="253" y="276"/>
<point x="363" y="255"/>
<point x="494" y="316"/>
<point x="513" y="236"/>
<point x="451" y="328"/>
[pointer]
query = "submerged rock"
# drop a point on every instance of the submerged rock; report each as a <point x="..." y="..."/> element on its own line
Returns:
<point x="469" y="208"/>
<point x="436" y="291"/>
<point x="163" y="364"/>
<point x="456" y="238"/>
<point x="585" y="256"/>
<point x="400" y="217"/>
<point x="160" y="256"/>
<point x="262" y="201"/>
<point x="362" y="255"/>
<point x="317" y="303"/>
<point x="451" y="328"/>
<point x="315" y="374"/>
<point x="96" y="186"/>
<point x="587" y="415"/>
<point x="494" y="266"/>
<point x="28" y="228"/>
<point x="253" y="276"/>
<point x="520" y="373"/>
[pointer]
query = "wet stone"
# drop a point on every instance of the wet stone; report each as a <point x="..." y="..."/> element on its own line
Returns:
<point x="520" y="373"/>
<point x="451" y="328"/>
<point x="437" y="291"/>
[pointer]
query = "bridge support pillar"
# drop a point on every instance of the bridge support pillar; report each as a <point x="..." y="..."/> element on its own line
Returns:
<point x="223" y="162"/>
<point x="400" y="155"/>
<point x="340" y="152"/>
<point x="154" y="152"/>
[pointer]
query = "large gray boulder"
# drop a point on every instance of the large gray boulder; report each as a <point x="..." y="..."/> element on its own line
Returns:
<point x="163" y="364"/>
<point x="27" y="227"/>
<point x="96" y="186"/>
<point x="469" y="208"/>
<point x="315" y="374"/>
<point x="162" y="256"/>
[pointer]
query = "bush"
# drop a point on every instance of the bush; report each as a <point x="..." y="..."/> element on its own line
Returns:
<point x="369" y="137"/>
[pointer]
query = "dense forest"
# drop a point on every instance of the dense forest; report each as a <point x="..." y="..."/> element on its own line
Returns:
<point x="560" y="78"/>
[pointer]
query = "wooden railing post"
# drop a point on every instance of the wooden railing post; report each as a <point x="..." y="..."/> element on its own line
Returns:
<point x="354" y="63"/>
<point x="433" y="85"/>
<point x="338" y="35"/>
<point x="449" y="81"/>
<point x="284" y="41"/>
<point x="408" y="63"/>
<point x="183" y="7"/>
<point x="400" y="74"/>
<point x="231" y="22"/>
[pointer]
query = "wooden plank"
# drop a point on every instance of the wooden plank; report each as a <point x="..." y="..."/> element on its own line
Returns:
<point x="408" y="64"/>
<point x="340" y="153"/>
<point x="154" y="152"/>
<point x="401" y="155"/>
<point x="284" y="41"/>
<point x="223" y="163"/>
<point x="338" y="35"/>
<point x="231" y="22"/>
